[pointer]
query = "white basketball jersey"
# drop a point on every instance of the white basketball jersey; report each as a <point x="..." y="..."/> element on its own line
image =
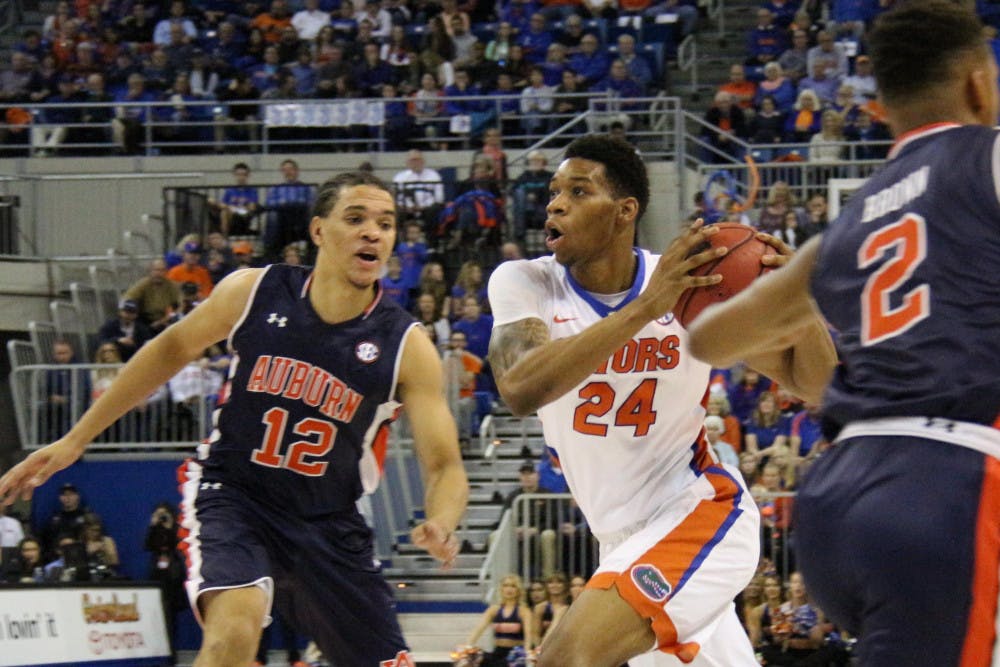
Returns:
<point x="628" y="435"/>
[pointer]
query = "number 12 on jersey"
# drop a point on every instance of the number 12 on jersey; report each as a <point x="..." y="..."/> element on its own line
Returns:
<point x="598" y="399"/>
<point x="294" y="458"/>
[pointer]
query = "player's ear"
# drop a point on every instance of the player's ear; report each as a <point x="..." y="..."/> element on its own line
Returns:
<point x="980" y="92"/>
<point x="628" y="209"/>
<point x="315" y="229"/>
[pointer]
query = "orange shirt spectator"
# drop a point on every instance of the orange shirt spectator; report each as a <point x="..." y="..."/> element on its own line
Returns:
<point x="189" y="270"/>
<point x="743" y="91"/>
<point x="274" y="22"/>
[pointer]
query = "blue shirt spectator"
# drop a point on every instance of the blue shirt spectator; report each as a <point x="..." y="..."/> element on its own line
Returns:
<point x="476" y="326"/>
<point x="805" y="431"/>
<point x="461" y="87"/>
<point x="637" y="66"/>
<point x="518" y="13"/>
<point x="412" y="255"/>
<point x="783" y="11"/>
<point x="394" y="283"/>
<point x="536" y="39"/>
<point x="590" y="64"/>
<point x="766" y="41"/>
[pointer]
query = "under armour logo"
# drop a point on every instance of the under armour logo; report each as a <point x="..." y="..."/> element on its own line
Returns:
<point x="214" y="486"/>
<point x="274" y="318"/>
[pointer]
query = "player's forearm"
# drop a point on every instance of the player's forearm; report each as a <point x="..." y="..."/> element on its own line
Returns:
<point x="446" y="495"/>
<point x="545" y="373"/>
<point x="151" y="367"/>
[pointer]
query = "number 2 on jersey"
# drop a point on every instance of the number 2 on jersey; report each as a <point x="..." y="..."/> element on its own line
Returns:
<point x="879" y="321"/>
<point x="635" y="411"/>
<point x="275" y="421"/>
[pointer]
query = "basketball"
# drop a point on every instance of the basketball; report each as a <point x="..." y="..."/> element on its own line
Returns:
<point x="739" y="267"/>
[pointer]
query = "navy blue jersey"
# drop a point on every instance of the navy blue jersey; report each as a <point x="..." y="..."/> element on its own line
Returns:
<point x="305" y="412"/>
<point x="909" y="274"/>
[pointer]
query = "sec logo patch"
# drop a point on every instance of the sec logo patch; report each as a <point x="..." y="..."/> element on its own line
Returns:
<point x="366" y="352"/>
<point x="651" y="582"/>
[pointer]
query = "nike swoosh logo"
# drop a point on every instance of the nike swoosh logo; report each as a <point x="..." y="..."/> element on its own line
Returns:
<point x="560" y="320"/>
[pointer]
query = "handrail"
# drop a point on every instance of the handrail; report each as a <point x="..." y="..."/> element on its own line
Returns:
<point x="687" y="59"/>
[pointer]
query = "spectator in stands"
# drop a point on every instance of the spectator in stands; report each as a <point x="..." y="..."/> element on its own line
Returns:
<point x="101" y="550"/>
<point x="49" y="135"/>
<point x="202" y="75"/>
<point x="128" y="125"/>
<point x="428" y="313"/>
<point x="768" y="125"/>
<point x="178" y="16"/>
<point x="238" y="205"/>
<point x="868" y="127"/>
<point x="498" y="49"/>
<point x="399" y="53"/>
<point x="191" y="270"/>
<point x="461" y="370"/>
<point x="536" y="39"/>
<point x="193" y="393"/>
<point x="343" y="24"/>
<point x="731" y="124"/>
<point x="469" y="282"/>
<point x="125" y="331"/>
<point x="413" y="254"/>
<point x="638" y="68"/>
<point x="86" y="62"/>
<point x="15" y="81"/>
<point x="54" y="23"/>
<point x="463" y="39"/>
<point x="509" y="104"/>
<point x="156" y="296"/>
<point x="569" y="100"/>
<point x="289" y="45"/>
<point x="517" y="66"/>
<point x="590" y="64"/>
<point x="804" y="120"/>
<point x="822" y="82"/>
<point x="493" y="149"/>
<point x="11" y="534"/>
<point x="26" y="566"/>
<point x="265" y="76"/>
<point x="475" y="324"/>
<point x="512" y="621"/>
<point x="714" y="429"/>
<point x="66" y="392"/>
<point x="393" y="284"/>
<point x="66" y="521"/>
<point x="136" y="28"/>
<point x="743" y="394"/>
<point x="166" y="566"/>
<point x="178" y="49"/>
<point x="237" y="122"/>
<point x="449" y="10"/>
<point x="845" y="106"/>
<point x="555" y="64"/>
<point x="226" y="49"/>
<point x="432" y="281"/>
<point x="612" y="105"/>
<point x="437" y="53"/>
<point x="777" y="86"/>
<point x="101" y="379"/>
<point x="795" y="60"/>
<point x="549" y="611"/>
<point x="766" y="42"/>
<point x="732" y="431"/>
<point x="419" y="189"/>
<point x="157" y="72"/>
<point x="827" y="144"/>
<point x="829" y="53"/>
<point x="462" y="111"/>
<point x="766" y="430"/>
<point x="31" y="44"/>
<point x="537" y="102"/>
<point x="373" y="72"/>
<point x="426" y="107"/>
<point x="98" y="117"/>
<point x="862" y="82"/>
<point x="530" y="194"/>
<point x="44" y="81"/>
<point x="766" y="619"/>
<point x="243" y="255"/>
<point x="271" y="23"/>
<point x="815" y="220"/>
<point x="309" y="20"/>
<point x="288" y="207"/>
<point x="380" y="19"/>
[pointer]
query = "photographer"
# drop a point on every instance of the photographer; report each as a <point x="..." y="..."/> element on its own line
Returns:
<point x="460" y="370"/>
<point x="167" y="566"/>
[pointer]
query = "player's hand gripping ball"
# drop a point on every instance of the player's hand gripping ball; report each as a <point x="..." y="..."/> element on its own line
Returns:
<point x="739" y="267"/>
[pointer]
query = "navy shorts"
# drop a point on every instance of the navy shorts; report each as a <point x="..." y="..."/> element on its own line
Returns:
<point x="898" y="539"/>
<point x="321" y="573"/>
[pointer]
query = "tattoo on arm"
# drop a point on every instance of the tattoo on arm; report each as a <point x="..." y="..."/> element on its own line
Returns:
<point x="510" y="342"/>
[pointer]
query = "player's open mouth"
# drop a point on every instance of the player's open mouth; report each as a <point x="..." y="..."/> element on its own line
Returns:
<point x="552" y="237"/>
<point x="367" y="257"/>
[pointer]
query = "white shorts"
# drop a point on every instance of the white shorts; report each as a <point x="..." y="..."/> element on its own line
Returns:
<point x="684" y="566"/>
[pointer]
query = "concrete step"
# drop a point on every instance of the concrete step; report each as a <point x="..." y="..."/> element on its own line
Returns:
<point x="432" y="636"/>
<point x="420" y="562"/>
<point x="415" y="589"/>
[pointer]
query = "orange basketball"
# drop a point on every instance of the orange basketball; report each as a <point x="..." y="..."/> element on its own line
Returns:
<point x="739" y="267"/>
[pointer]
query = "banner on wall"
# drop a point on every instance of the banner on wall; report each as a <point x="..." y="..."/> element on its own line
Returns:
<point x="76" y="625"/>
